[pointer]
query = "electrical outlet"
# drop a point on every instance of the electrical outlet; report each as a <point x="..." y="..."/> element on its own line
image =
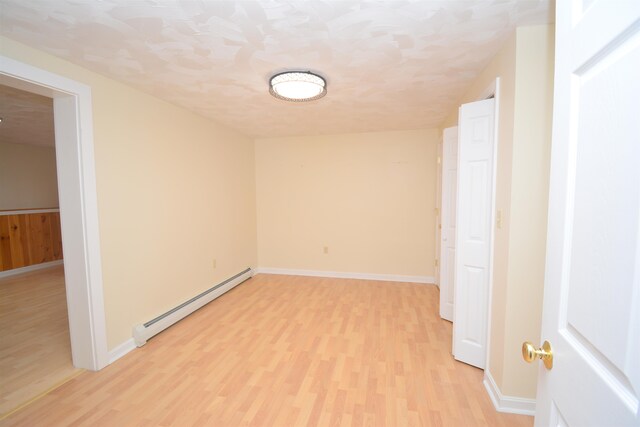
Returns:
<point x="214" y="263"/>
<point x="326" y="250"/>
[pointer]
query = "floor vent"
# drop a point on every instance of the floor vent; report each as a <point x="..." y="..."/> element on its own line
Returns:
<point x="141" y="333"/>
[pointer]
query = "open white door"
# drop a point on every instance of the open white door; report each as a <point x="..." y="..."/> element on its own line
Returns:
<point x="448" y="220"/>
<point x="591" y="312"/>
<point x="474" y="234"/>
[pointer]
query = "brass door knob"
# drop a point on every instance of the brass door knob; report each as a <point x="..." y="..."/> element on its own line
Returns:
<point x="531" y="353"/>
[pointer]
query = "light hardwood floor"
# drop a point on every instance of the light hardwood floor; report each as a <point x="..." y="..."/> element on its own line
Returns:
<point x="35" y="351"/>
<point x="287" y="351"/>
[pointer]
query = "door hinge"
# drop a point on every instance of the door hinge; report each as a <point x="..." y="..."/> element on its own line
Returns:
<point x="436" y="262"/>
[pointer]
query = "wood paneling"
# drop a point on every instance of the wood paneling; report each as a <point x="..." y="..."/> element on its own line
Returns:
<point x="5" y="246"/>
<point x="287" y="351"/>
<point x="28" y="239"/>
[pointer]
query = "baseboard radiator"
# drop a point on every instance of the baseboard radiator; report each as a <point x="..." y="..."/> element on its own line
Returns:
<point x="141" y="333"/>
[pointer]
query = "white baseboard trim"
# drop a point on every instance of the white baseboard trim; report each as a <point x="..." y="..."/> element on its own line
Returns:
<point x="508" y="404"/>
<point x="29" y="268"/>
<point x="121" y="350"/>
<point x="345" y="275"/>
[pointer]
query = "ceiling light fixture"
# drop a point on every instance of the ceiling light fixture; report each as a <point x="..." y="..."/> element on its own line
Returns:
<point x="297" y="86"/>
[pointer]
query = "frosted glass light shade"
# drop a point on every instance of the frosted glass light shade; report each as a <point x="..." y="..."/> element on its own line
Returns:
<point x="297" y="86"/>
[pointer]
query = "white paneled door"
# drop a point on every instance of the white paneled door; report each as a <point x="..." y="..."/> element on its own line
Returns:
<point x="591" y="314"/>
<point x="474" y="233"/>
<point x="448" y="220"/>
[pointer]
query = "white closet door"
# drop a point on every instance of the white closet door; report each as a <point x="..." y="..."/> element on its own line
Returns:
<point x="448" y="221"/>
<point x="474" y="231"/>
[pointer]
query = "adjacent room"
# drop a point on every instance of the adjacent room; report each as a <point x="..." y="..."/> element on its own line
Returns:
<point x="323" y="212"/>
<point x="35" y="351"/>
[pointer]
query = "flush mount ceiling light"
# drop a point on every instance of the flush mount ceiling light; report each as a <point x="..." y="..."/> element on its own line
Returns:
<point x="297" y="86"/>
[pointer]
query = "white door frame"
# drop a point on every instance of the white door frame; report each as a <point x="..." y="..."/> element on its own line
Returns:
<point x="78" y="205"/>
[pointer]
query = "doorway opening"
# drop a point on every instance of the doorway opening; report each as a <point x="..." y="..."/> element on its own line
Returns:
<point x="72" y="108"/>
<point x="35" y="348"/>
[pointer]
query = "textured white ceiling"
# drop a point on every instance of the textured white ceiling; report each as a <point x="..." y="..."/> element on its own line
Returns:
<point x="390" y="65"/>
<point x="27" y="118"/>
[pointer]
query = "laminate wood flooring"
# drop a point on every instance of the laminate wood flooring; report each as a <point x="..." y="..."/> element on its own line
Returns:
<point x="35" y="350"/>
<point x="287" y="351"/>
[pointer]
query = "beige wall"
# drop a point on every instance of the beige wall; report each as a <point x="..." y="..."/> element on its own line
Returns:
<point x="529" y="203"/>
<point x="368" y="197"/>
<point x="525" y="68"/>
<point x="27" y="177"/>
<point x="174" y="191"/>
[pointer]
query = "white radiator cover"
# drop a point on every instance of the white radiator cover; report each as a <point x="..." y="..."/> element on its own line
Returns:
<point x="144" y="331"/>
